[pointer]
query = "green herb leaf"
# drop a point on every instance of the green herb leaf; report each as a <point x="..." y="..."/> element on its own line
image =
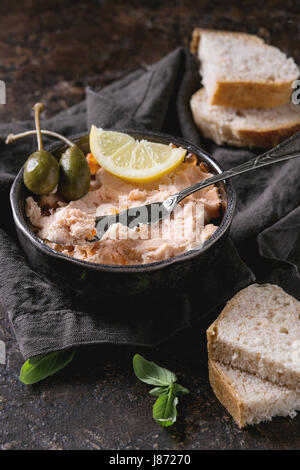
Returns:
<point x="151" y="373"/>
<point x="39" y="367"/>
<point x="164" y="409"/>
<point x="157" y="391"/>
<point x="179" y="390"/>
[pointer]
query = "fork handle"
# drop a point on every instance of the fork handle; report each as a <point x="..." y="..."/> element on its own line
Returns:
<point x="283" y="151"/>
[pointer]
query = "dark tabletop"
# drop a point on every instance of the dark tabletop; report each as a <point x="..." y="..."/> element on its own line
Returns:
<point x="50" y="51"/>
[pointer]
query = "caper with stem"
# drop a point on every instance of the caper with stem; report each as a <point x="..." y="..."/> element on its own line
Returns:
<point x="41" y="169"/>
<point x="74" y="178"/>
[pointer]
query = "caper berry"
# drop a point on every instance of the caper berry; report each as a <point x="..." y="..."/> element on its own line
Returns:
<point x="41" y="172"/>
<point x="74" y="180"/>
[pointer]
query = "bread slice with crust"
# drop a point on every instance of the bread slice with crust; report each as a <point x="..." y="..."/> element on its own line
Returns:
<point x="248" y="398"/>
<point x="242" y="71"/>
<point x="264" y="128"/>
<point x="259" y="332"/>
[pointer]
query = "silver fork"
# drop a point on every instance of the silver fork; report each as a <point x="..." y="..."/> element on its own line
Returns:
<point x="151" y="213"/>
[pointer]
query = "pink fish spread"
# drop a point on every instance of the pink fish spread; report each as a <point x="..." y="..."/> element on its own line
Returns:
<point x="66" y="227"/>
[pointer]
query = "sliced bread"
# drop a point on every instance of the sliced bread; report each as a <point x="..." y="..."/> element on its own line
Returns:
<point x="259" y="332"/>
<point x="263" y="128"/>
<point x="242" y="71"/>
<point x="248" y="398"/>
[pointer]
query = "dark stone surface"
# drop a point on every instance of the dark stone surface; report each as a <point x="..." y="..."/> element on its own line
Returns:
<point x="51" y="50"/>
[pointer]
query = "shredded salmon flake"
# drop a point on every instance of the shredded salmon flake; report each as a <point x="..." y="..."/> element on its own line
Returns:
<point x="191" y="159"/>
<point x="93" y="232"/>
<point x="203" y="167"/>
<point x="93" y="164"/>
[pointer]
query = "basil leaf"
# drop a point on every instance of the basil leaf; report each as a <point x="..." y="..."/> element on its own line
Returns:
<point x="157" y="391"/>
<point x="39" y="367"/>
<point x="164" y="409"/>
<point x="180" y="390"/>
<point x="151" y="373"/>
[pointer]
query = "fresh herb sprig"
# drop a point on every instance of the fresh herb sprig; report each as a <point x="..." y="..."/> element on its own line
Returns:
<point x="39" y="367"/>
<point x="167" y="391"/>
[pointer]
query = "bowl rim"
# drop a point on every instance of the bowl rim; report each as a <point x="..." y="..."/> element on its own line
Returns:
<point x="22" y="225"/>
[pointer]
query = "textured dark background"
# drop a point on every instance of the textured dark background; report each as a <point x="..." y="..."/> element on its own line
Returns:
<point x="50" y="51"/>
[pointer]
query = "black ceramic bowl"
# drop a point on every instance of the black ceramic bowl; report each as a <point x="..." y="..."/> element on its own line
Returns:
<point x="86" y="277"/>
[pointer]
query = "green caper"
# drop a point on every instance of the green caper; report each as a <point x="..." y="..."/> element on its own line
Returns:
<point x="41" y="172"/>
<point x="74" y="180"/>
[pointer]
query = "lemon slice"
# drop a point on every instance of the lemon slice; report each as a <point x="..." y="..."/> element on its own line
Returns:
<point x="133" y="160"/>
